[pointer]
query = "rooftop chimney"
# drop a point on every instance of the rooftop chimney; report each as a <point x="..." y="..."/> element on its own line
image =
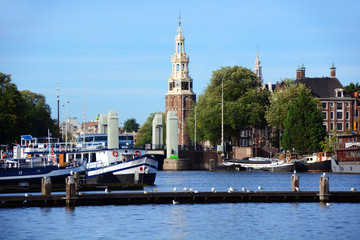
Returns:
<point x="333" y="71"/>
<point x="302" y="72"/>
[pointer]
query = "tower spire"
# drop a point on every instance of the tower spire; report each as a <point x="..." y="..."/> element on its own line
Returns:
<point x="257" y="67"/>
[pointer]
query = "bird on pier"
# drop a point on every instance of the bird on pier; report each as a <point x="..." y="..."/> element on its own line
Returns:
<point x="175" y="202"/>
<point x="174" y="189"/>
<point x="295" y="171"/>
<point x="145" y="192"/>
<point x="324" y="175"/>
<point x="243" y="189"/>
<point x="191" y="190"/>
<point x="107" y="190"/>
<point x="297" y="189"/>
<point x="27" y="195"/>
<point x="196" y="191"/>
<point x="353" y="189"/>
<point x="185" y="189"/>
<point x="260" y="188"/>
<point x="231" y="190"/>
<point x="155" y="190"/>
<point x="213" y="190"/>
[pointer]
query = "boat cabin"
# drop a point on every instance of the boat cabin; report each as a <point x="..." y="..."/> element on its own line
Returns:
<point x="348" y="148"/>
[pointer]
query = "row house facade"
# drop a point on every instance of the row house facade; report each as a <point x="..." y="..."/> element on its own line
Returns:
<point x="337" y="106"/>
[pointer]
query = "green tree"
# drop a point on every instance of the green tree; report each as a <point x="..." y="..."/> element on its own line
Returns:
<point x="352" y="87"/>
<point x="11" y="113"/>
<point x="280" y="102"/>
<point x="144" y="135"/>
<point x="38" y="115"/>
<point x="22" y="112"/>
<point x="304" y="129"/>
<point x="131" y="125"/>
<point x="244" y="105"/>
<point x="329" y="142"/>
<point x="288" y="81"/>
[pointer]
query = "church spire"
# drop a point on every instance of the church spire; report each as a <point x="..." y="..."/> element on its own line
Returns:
<point x="257" y="68"/>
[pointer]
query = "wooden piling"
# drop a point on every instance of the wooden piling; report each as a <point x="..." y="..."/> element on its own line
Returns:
<point x="324" y="193"/>
<point x="295" y="183"/>
<point x="212" y="165"/>
<point x="46" y="186"/>
<point x="70" y="190"/>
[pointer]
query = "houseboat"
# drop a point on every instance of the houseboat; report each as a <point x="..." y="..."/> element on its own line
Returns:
<point x="347" y="159"/>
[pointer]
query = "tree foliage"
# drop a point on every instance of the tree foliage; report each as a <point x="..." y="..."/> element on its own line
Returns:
<point x="304" y="129"/>
<point x="352" y="87"/>
<point x="131" y="125"/>
<point x="280" y="102"/>
<point x="144" y="135"/>
<point x="244" y="105"/>
<point x="22" y="112"/>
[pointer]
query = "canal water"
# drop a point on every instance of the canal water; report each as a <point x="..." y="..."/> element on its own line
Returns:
<point x="198" y="221"/>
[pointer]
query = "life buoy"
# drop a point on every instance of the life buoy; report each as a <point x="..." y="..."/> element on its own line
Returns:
<point x="138" y="153"/>
<point x="115" y="153"/>
<point x="53" y="159"/>
<point x="287" y="159"/>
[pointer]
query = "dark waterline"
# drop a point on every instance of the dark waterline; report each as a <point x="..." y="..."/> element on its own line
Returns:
<point x="198" y="221"/>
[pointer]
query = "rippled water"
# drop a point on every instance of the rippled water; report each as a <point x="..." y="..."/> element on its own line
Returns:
<point x="197" y="221"/>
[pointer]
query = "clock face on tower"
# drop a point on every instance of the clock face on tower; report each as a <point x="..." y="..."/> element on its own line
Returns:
<point x="177" y="83"/>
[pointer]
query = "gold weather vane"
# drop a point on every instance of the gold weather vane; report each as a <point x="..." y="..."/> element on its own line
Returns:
<point x="179" y="18"/>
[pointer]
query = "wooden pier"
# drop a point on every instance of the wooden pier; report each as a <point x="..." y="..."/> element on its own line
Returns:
<point x="81" y="199"/>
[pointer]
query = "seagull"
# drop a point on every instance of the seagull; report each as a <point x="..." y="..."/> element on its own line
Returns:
<point x="196" y="191"/>
<point x="295" y="171"/>
<point x="353" y="189"/>
<point x="185" y="189"/>
<point x="213" y="190"/>
<point x="107" y="190"/>
<point x="145" y="192"/>
<point x="248" y="191"/>
<point x="324" y="175"/>
<point x="260" y="188"/>
<point x="175" y="202"/>
<point x="297" y="189"/>
<point x="328" y="204"/>
<point x="155" y="190"/>
<point x="174" y="189"/>
<point x="27" y="195"/>
<point x="243" y="189"/>
<point x="230" y="190"/>
<point x="191" y="190"/>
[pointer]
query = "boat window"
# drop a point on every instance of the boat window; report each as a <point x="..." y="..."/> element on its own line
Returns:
<point x="86" y="156"/>
<point x="100" y="138"/>
<point x="89" y="139"/>
<point x="78" y="156"/>
<point x="93" y="157"/>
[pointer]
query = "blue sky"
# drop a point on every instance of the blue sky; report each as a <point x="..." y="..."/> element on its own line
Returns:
<point x="122" y="49"/>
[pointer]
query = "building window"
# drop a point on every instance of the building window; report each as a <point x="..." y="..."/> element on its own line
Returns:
<point x="347" y="104"/>
<point x="339" y="115"/>
<point x="347" y="153"/>
<point x="331" y="104"/>
<point x="358" y="153"/>
<point x="331" y="126"/>
<point x="243" y="142"/>
<point x="347" y="126"/>
<point x="332" y="115"/>
<point x="326" y="128"/>
<point x="356" y="113"/>
<point x="339" y="126"/>
<point x="339" y="94"/>
<point x="352" y="153"/>
<point x="324" y="115"/>
<point x="339" y="106"/>
<point x="324" y="105"/>
<point x="243" y="133"/>
<point x="347" y="115"/>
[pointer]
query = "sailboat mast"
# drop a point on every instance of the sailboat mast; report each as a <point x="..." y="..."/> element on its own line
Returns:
<point x="58" y="111"/>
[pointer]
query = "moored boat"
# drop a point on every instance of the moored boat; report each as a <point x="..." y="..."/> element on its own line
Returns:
<point x="318" y="162"/>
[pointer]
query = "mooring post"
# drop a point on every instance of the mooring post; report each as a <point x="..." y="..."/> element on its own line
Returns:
<point x="70" y="190"/>
<point x="46" y="186"/>
<point x="212" y="165"/>
<point x="295" y="182"/>
<point x="76" y="176"/>
<point x="324" y="188"/>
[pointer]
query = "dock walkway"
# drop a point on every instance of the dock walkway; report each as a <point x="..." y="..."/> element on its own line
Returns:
<point x="81" y="199"/>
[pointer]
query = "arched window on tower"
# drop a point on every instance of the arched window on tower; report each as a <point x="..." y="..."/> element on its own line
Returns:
<point x="178" y="47"/>
<point x="182" y="67"/>
<point x="177" y="67"/>
<point x="181" y="47"/>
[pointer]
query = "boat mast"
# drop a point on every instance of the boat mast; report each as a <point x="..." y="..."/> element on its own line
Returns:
<point x="58" y="111"/>
<point x="222" y="116"/>
<point x="84" y="113"/>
